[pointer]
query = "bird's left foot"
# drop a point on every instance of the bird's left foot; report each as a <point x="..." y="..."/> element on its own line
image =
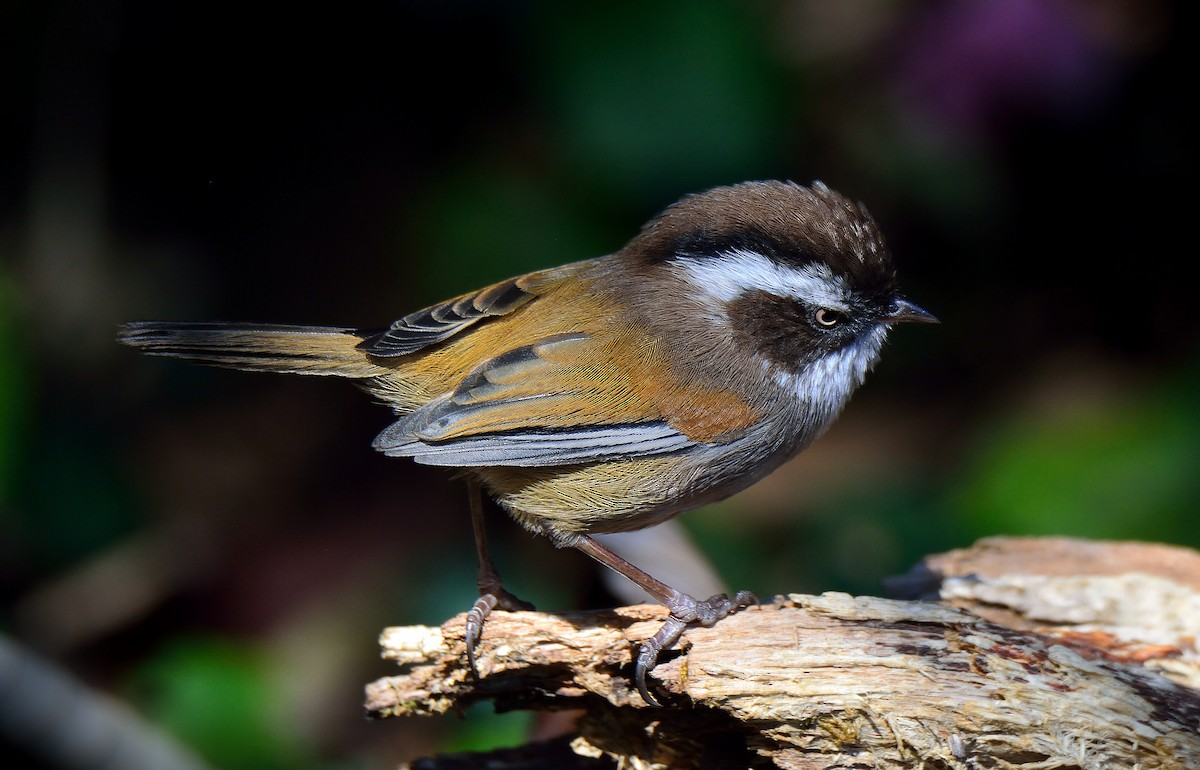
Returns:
<point x="685" y="611"/>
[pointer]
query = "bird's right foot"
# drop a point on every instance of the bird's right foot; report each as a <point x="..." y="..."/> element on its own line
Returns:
<point x="496" y="597"/>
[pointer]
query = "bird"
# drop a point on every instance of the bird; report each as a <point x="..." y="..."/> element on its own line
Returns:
<point x="611" y="394"/>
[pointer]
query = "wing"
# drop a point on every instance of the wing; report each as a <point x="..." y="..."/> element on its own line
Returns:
<point x="569" y="398"/>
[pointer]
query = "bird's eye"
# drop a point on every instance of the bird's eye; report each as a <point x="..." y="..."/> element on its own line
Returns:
<point x="827" y="318"/>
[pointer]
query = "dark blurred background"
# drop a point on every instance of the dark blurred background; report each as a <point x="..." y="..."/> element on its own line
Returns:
<point x="218" y="550"/>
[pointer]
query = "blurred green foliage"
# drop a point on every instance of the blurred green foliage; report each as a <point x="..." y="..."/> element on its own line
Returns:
<point x="850" y="541"/>
<point x="493" y="220"/>
<point x="482" y="729"/>
<point x="1125" y="468"/>
<point x="219" y="697"/>
<point x="652" y="98"/>
<point x="71" y="476"/>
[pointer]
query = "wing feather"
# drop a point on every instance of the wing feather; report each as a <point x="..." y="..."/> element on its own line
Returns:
<point x="537" y="449"/>
<point x="533" y="406"/>
<point x="440" y="322"/>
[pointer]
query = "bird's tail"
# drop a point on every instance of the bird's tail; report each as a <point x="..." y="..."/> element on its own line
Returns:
<point x="324" y="350"/>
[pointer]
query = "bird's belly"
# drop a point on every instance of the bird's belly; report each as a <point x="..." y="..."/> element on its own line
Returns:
<point x="624" y="495"/>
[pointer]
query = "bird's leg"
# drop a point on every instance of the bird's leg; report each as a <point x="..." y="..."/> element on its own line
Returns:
<point x="491" y="588"/>
<point x="685" y="609"/>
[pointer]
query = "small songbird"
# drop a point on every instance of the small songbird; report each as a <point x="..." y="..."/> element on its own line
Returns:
<point x="611" y="394"/>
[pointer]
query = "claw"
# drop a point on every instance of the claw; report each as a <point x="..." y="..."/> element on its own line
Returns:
<point x="685" y="611"/>
<point x="646" y="660"/>
<point x="479" y="613"/>
<point x="744" y="599"/>
<point x="648" y="653"/>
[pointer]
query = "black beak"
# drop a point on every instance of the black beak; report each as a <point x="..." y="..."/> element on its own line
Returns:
<point x="903" y="311"/>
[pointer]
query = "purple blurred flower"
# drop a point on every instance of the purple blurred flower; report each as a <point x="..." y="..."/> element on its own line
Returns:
<point x="971" y="67"/>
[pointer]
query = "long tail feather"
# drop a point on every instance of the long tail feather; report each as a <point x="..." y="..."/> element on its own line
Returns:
<point x="321" y="350"/>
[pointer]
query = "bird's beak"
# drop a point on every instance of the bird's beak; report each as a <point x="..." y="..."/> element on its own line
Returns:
<point x="903" y="311"/>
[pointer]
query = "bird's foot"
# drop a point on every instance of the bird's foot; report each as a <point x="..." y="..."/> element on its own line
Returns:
<point x="495" y="597"/>
<point x="685" y="611"/>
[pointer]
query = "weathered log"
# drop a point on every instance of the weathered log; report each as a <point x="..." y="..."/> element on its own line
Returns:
<point x="852" y="682"/>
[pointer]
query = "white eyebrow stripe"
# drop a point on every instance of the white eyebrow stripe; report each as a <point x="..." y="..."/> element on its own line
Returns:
<point x="733" y="273"/>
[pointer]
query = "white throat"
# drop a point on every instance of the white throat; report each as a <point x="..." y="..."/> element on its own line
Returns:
<point x="824" y="386"/>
